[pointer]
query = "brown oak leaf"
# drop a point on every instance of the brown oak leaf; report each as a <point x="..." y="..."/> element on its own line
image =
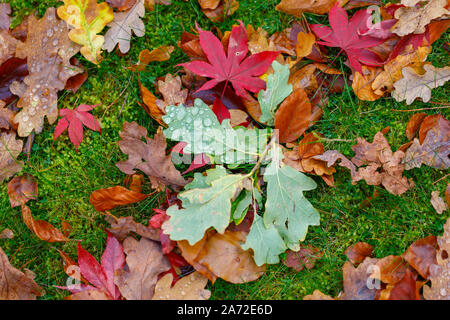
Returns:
<point x="421" y="255"/>
<point x="149" y="157"/>
<point x="48" y="50"/>
<point x="190" y="287"/>
<point x="10" y="148"/>
<point x="358" y="252"/>
<point x="22" y="189"/>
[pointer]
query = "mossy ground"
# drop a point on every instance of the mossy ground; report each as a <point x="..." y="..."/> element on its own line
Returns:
<point x="66" y="177"/>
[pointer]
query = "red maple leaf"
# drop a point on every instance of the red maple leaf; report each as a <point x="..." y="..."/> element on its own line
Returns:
<point x="235" y="66"/>
<point x="100" y="276"/>
<point x="74" y="120"/>
<point x="354" y="36"/>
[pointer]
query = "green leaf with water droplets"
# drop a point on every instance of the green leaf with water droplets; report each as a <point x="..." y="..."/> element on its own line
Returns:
<point x="277" y="90"/>
<point x="204" y="208"/>
<point x="199" y="128"/>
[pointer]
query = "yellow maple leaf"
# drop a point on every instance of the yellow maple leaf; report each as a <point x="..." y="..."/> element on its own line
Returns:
<point x="88" y="18"/>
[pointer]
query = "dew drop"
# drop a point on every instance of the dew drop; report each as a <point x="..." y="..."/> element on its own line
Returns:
<point x="49" y="32"/>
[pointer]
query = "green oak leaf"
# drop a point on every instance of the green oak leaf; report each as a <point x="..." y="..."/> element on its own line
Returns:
<point x="266" y="243"/>
<point x="199" y="128"/>
<point x="204" y="208"/>
<point x="277" y="90"/>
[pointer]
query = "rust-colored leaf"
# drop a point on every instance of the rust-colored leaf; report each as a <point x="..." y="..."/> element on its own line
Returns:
<point x="149" y="157"/>
<point x="293" y="116"/>
<point x="405" y="289"/>
<point x="391" y="269"/>
<point x="145" y="57"/>
<point x="109" y="198"/>
<point x="358" y="252"/>
<point x="14" y="284"/>
<point x="11" y="70"/>
<point x="221" y="256"/>
<point x="414" y="124"/>
<point x="305" y="43"/>
<point x="304" y="258"/>
<point x="121" y="227"/>
<point x="121" y="5"/>
<point x="22" y="189"/>
<point x="42" y="229"/>
<point x="217" y="10"/>
<point x="74" y="83"/>
<point x="296" y="8"/>
<point x="421" y="255"/>
<point x="6" y="234"/>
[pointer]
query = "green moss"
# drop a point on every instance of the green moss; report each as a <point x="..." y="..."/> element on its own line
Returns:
<point x="66" y="178"/>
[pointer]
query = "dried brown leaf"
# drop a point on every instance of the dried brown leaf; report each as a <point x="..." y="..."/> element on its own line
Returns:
<point x="438" y="203"/>
<point x="296" y="8"/>
<point x="109" y="198"/>
<point x="190" y="287"/>
<point x="421" y="255"/>
<point x="414" y="124"/>
<point x="42" y="229"/>
<point x="121" y="227"/>
<point x="304" y="258"/>
<point x="22" y="189"/>
<point x="358" y="252"/>
<point x="10" y="148"/>
<point x="145" y="57"/>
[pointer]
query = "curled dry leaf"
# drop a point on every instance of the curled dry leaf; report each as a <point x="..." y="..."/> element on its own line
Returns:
<point x="221" y="256"/>
<point x="293" y="116"/>
<point x="414" y="124"/>
<point x="384" y="82"/>
<point x="123" y="26"/>
<point x="14" y="284"/>
<point x="304" y="258"/>
<point x="438" y="203"/>
<point x="7" y="234"/>
<point x="377" y="164"/>
<point x="190" y="287"/>
<point x="414" y="19"/>
<point x="435" y="149"/>
<point x="414" y="85"/>
<point x="109" y="198"/>
<point x="358" y="252"/>
<point x="421" y="255"/>
<point x="121" y="227"/>
<point x="145" y="261"/>
<point x="217" y="10"/>
<point x="296" y="8"/>
<point x="42" y="229"/>
<point x="150" y="105"/>
<point x="439" y="271"/>
<point x="88" y="18"/>
<point x="149" y="157"/>
<point x="48" y="51"/>
<point x="145" y="57"/>
<point x="10" y="148"/>
<point x="22" y="189"/>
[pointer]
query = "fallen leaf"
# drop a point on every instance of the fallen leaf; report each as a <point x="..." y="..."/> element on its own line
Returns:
<point x="145" y="261"/>
<point x="447" y="194"/>
<point x="10" y="148"/>
<point x="317" y="295"/>
<point x="109" y="198"/>
<point x="304" y="258"/>
<point x="121" y="227"/>
<point x="413" y="85"/>
<point x="8" y="47"/>
<point x="438" y="203"/>
<point x="7" y="234"/>
<point x="48" y="51"/>
<point x="172" y="92"/>
<point x="362" y="83"/>
<point x="73" y="120"/>
<point x="74" y="83"/>
<point x="356" y="281"/>
<point x="5" y="12"/>
<point x="293" y="116"/>
<point x="297" y="8"/>
<point x="405" y="289"/>
<point x="221" y="256"/>
<point x="145" y="57"/>
<point x="22" y="189"/>
<point x="42" y="229"/>
<point x="421" y="255"/>
<point x="392" y="72"/>
<point x="234" y="67"/>
<point x="12" y="70"/>
<point x="149" y="157"/>
<point x="434" y="151"/>
<point x="439" y="271"/>
<point x="87" y="18"/>
<point x="217" y="10"/>
<point x="391" y="269"/>
<point x="121" y="5"/>
<point x="305" y="43"/>
<point x="414" y="19"/>
<point x="377" y="164"/>
<point x="190" y="287"/>
<point x="123" y="26"/>
<point x="414" y="124"/>
<point x="14" y="284"/>
<point x="358" y="252"/>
